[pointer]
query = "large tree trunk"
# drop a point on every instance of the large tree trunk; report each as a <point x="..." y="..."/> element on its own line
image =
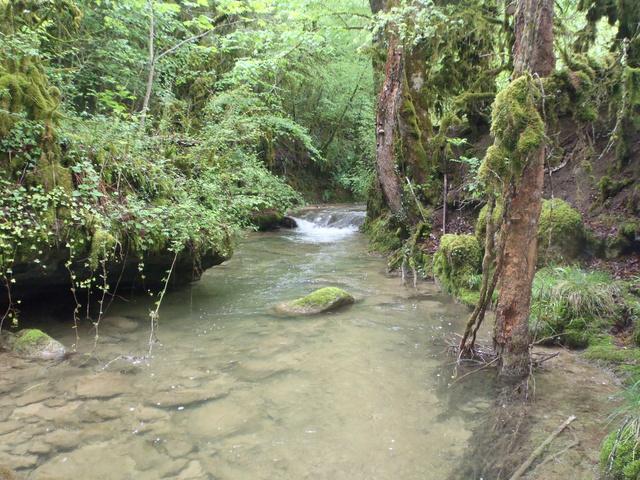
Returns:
<point x="389" y="103"/>
<point x="533" y="52"/>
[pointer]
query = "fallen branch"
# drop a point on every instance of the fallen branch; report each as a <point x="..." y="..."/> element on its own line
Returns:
<point x="548" y="357"/>
<point x="525" y="466"/>
<point x="556" y="455"/>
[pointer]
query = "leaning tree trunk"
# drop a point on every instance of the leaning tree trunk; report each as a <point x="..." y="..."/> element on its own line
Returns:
<point x="533" y="52"/>
<point x="389" y="103"/>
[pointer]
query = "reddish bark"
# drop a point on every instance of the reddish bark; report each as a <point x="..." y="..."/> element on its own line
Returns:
<point x="511" y="336"/>
<point x="533" y="52"/>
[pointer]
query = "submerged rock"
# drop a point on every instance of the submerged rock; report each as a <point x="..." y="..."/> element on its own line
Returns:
<point x="323" y="300"/>
<point x="33" y="343"/>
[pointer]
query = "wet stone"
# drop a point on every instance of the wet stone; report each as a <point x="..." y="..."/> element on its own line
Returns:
<point x="40" y="448"/>
<point x="193" y="471"/>
<point x="178" y="448"/>
<point x="35" y="411"/>
<point x="102" y="385"/>
<point x="149" y="414"/>
<point x="62" y="440"/>
<point x="18" y="462"/>
<point x="180" y="398"/>
<point x="96" y="410"/>
<point x="254" y="371"/>
<point x="33" y="397"/>
<point x="103" y="461"/>
<point x="8" y="427"/>
<point x="6" y="473"/>
<point x="119" y="324"/>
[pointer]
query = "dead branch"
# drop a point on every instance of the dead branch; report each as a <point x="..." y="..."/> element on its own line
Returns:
<point x="548" y="357"/>
<point x="525" y="466"/>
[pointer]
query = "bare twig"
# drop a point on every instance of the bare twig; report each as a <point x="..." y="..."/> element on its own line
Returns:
<point x="525" y="466"/>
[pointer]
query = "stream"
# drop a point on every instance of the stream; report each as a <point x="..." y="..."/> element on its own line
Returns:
<point x="235" y="391"/>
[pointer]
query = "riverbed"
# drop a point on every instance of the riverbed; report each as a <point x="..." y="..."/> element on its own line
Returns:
<point x="232" y="390"/>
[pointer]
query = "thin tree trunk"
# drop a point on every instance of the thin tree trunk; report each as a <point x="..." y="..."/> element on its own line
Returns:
<point x="389" y="103"/>
<point x="533" y="52"/>
<point x="511" y="335"/>
<point x="152" y="66"/>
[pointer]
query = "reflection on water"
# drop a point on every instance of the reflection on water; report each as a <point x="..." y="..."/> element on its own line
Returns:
<point x="235" y="391"/>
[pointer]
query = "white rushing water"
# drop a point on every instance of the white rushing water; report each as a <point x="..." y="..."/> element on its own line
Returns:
<point x="235" y="391"/>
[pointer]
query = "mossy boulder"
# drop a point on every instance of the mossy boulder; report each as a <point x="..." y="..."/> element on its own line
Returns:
<point x="320" y="301"/>
<point x="33" y="343"/>
<point x="266" y="219"/>
<point x="561" y="235"/>
<point x="620" y="455"/>
<point x="457" y="261"/>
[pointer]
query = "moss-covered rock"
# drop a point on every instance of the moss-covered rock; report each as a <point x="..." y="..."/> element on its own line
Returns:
<point x="266" y="219"/>
<point x="33" y="343"/>
<point x="320" y="301"/>
<point x="561" y="235"/>
<point x="457" y="261"/>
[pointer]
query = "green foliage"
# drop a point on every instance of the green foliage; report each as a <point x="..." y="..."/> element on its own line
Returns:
<point x="453" y="39"/>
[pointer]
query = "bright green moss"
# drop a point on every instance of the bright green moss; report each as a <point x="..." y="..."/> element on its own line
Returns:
<point x="561" y="235"/>
<point x="457" y="260"/>
<point x="322" y="300"/>
<point x="620" y="455"/>
<point x="382" y="234"/>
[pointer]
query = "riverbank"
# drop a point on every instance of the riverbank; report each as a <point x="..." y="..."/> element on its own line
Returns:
<point x="513" y="428"/>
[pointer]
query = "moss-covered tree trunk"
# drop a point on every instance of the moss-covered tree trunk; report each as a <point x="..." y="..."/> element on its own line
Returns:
<point x="403" y="121"/>
<point x="533" y="52"/>
<point x="389" y="103"/>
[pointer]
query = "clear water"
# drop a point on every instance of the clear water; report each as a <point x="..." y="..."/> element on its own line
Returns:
<point x="235" y="391"/>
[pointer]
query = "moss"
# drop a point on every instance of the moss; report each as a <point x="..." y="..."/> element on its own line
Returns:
<point x="263" y="220"/>
<point x="620" y="455"/>
<point x="604" y="352"/>
<point x="321" y="297"/>
<point x="383" y="234"/>
<point x="101" y="242"/>
<point x="573" y="89"/>
<point x="322" y="300"/>
<point x="561" y="235"/>
<point x="456" y="262"/>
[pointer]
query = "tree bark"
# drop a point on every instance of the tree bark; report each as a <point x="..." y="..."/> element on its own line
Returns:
<point x="389" y="103"/>
<point x="533" y="52"/>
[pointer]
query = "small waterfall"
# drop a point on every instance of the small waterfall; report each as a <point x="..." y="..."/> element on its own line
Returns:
<point x="328" y="224"/>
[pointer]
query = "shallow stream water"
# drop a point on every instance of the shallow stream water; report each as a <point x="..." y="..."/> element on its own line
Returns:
<point x="235" y="391"/>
